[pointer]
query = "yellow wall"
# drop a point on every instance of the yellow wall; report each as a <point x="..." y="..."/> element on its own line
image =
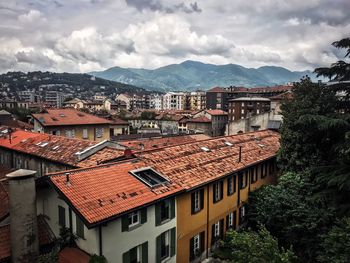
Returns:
<point x="189" y="225"/>
<point x="79" y="131"/>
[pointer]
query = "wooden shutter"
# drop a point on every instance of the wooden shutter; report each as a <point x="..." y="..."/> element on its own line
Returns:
<point x="158" y="248"/>
<point x="192" y="202"/>
<point x="172" y="207"/>
<point x="201" y="198"/>
<point x="235" y="219"/>
<point x="234" y="183"/>
<point x="227" y="222"/>
<point x="172" y="241"/>
<point x="212" y="233"/>
<point x="158" y="215"/>
<point x="126" y="257"/>
<point x="202" y="238"/>
<point x="214" y="192"/>
<point x="221" y="189"/>
<point x="143" y="215"/>
<point x="125" y="223"/>
<point x="229" y="181"/>
<point x="145" y="252"/>
<point x="221" y="228"/>
<point x="191" y="249"/>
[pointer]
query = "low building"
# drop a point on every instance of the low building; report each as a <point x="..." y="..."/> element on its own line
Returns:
<point x="73" y="124"/>
<point x="119" y="127"/>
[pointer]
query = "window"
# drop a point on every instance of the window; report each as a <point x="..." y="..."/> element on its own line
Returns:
<point x="253" y="174"/>
<point x="196" y="246"/>
<point x="197" y="201"/>
<point x="134" y="219"/>
<point x="79" y="227"/>
<point x="70" y="133"/>
<point x="217" y="191"/>
<point x="231" y="220"/>
<point x="85" y="134"/>
<point x="165" y="210"/>
<point x="61" y="216"/>
<point x="149" y="176"/>
<point x="99" y="132"/>
<point x="217" y="231"/>
<point x="138" y="254"/>
<point x="242" y="214"/>
<point x="263" y="170"/>
<point x="165" y="245"/>
<point x="231" y="185"/>
<point x="244" y="180"/>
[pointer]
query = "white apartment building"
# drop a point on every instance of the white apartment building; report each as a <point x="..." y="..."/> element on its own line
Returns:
<point x="174" y="101"/>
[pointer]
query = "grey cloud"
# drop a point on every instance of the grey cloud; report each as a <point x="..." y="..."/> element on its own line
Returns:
<point x="32" y="57"/>
<point x="155" y="5"/>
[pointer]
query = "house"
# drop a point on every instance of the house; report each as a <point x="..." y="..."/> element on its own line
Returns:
<point x="170" y="204"/>
<point x="73" y="124"/>
<point x="119" y="127"/>
<point x="45" y="153"/>
<point x="75" y="103"/>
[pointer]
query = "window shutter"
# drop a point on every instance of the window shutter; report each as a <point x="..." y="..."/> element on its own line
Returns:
<point x="191" y="249"/>
<point x="221" y="189"/>
<point x="145" y="252"/>
<point x="227" y="223"/>
<point x="192" y="203"/>
<point x="126" y="257"/>
<point x="157" y="211"/>
<point x="143" y="215"/>
<point x="228" y="185"/>
<point x="172" y="208"/>
<point x="202" y="238"/>
<point x="212" y="233"/>
<point x="221" y="228"/>
<point x="125" y="223"/>
<point x="201" y="198"/>
<point x="234" y="219"/>
<point x="172" y="241"/>
<point x="158" y="248"/>
<point x="234" y="183"/>
<point x="214" y="201"/>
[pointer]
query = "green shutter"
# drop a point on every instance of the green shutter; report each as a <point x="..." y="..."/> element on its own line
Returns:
<point x="202" y="198"/>
<point x="172" y="241"/>
<point x="221" y="189"/>
<point x="227" y="222"/>
<point x="214" y="201"/>
<point x="172" y="208"/>
<point x="192" y="202"/>
<point x="158" y="248"/>
<point x="234" y="183"/>
<point x="202" y="241"/>
<point x="191" y="249"/>
<point x="143" y="215"/>
<point x="126" y="257"/>
<point x="145" y="252"/>
<point x="125" y="223"/>
<point x="157" y="211"/>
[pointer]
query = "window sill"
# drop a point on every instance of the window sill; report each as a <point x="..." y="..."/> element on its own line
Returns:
<point x="133" y="227"/>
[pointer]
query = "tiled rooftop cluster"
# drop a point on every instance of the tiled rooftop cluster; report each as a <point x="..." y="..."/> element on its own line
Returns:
<point x="54" y="117"/>
<point x="55" y="148"/>
<point x="103" y="192"/>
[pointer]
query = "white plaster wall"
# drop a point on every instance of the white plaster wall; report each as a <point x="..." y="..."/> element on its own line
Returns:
<point x="116" y="242"/>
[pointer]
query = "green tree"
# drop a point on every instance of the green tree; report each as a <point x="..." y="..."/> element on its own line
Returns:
<point x="291" y="213"/>
<point x="253" y="247"/>
<point x="336" y="243"/>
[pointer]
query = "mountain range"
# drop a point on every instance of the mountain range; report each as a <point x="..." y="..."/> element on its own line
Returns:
<point x="194" y="75"/>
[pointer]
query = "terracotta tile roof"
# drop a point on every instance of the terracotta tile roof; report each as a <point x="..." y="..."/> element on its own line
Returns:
<point x="101" y="156"/>
<point x="216" y="112"/>
<point x="118" y="121"/>
<point x="73" y="255"/>
<point x="56" y="148"/>
<point x="45" y="237"/>
<point x="190" y="166"/>
<point x="68" y="116"/>
<point x="106" y="191"/>
<point x="201" y="119"/>
<point x="154" y="143"/>
<point x="280" y="88"/>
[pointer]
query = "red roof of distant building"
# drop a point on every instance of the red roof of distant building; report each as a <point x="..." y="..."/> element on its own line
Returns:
<point x="68" y="116"/>
<point x="288" y="95"/>
<point x="216" y="112"/>
<point x="118" y="121"/>
<point x="200" y="119"/>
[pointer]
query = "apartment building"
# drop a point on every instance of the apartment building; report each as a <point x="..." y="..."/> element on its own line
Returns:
<point x="55" y="98"/>
<point x="73" y="124"/>
<point x="216" y="98"/>
<point x="174" y="101"/>
<point x="171" y="204"/>
<point x="245" y="107"/>
<point x="195" y="100"/>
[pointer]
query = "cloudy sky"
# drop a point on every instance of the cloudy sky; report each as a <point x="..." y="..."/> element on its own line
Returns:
<point x="86" y="35"/>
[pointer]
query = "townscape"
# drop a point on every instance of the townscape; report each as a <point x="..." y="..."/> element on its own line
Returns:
<point x="187" y="163"/>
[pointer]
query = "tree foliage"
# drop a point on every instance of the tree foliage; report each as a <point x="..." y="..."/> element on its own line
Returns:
<point x="253" y="247"/>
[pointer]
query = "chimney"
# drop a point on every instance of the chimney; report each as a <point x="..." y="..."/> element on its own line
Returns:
<point x="128" y="153"/>
<point x="240" y="154"/>
<point x="23" y="216"/>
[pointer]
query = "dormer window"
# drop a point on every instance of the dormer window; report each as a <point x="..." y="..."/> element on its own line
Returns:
<point x="149" y="176"/>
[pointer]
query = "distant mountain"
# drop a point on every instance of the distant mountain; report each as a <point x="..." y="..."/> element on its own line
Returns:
<point x="82" y="85"/>
<point x="192" y="75"/>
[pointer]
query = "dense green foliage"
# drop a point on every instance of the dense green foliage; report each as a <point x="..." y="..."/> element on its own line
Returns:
<point x="253" y="247"/>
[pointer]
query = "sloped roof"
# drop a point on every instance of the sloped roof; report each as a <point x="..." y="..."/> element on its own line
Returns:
<point x="216" y="112"/>
<point x="68" y="116"/>
<point x="200" y="119"/>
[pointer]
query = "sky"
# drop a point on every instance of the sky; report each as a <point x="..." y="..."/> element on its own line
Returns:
<point x="91" y="35"/>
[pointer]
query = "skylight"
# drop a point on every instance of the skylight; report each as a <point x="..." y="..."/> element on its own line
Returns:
<point x="205" y="149"/>
<point x="149" y="176"/>
<point x="56" y="147"/>
<point x="62" y="115"/>
<point x="228" y="143"/>
<point x="44" y="144"/>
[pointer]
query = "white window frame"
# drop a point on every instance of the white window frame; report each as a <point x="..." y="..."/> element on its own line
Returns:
<point x="85" y="134"/>
<point x="132" y="215"/>
<point x="167" y="243"/>
<point x="196" y="243"/>
<point x="217" y="229"/>
<point x="230" y="219"/>
<point x="217" y="190"/>
<point x="243" y="211"/>
<point x="197" y="201"/>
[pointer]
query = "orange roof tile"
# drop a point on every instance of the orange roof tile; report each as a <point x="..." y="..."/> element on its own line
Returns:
<point x="68" y="116"/>
<point x="201" y="119"/>
<point x="73" y="255"/>
<point x="101" y="156"/>
<point x="106" y="191"/>
<point x="216" y="112"/>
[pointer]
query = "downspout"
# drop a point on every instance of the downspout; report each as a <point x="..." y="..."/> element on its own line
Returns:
<point x="207" y="254"/>
<point x="100" y="240"/>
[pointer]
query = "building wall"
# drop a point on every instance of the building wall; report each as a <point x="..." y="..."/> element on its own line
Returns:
<point x="242" y="109"/>
<point x="189" y="225"/>
<point x="204" y="127"/>
<point x="78" y="131"/>
<point x="216" y="100"/>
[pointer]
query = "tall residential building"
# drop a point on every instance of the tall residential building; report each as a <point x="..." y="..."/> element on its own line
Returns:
<point x="244" y="107"/>
<point x="55" y="98"/>
<point x="216" y="99"/>
<point x="195" y="100"/>
<point x="174" y="101"/>
<point x="156" y="102"/>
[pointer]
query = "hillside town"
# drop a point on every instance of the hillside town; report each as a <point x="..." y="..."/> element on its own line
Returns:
<point x="174" y="132"/>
